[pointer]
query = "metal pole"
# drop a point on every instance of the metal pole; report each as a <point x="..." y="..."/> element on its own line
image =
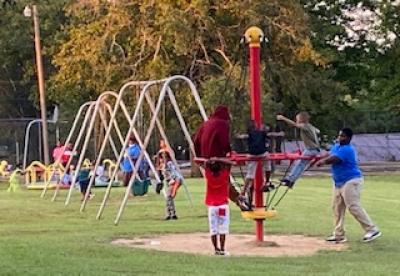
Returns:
<point x="254" y="36"/>
<point x="26" y="143"/>
<point x="71" y="132"/>
<point x="57" y="133"/>
<point x="41" y="85"/>
<point x="40" y="143"/>
<point x="16" y="152"/>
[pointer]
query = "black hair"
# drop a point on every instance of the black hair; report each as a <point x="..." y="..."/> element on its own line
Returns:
<point x="251" y="125"/>
<point x="348" y="132"/>
<point x="167" y="156"/>
<point x="133" y="139"/>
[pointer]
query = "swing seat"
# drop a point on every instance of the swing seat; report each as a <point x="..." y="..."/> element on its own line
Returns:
<point x="259" y="213"/>
<point x="102" y="182"/>
<point x="140" y="188"/>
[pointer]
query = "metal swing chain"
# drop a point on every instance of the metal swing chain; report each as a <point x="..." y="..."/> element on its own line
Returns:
<point x="277" y="188"/>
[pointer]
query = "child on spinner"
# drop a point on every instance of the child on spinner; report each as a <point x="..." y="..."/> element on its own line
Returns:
<point x="257" y="140"/>
<point x="309" y="135"/>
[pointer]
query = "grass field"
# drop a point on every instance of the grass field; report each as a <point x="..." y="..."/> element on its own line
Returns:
<point x="38" y="237"/>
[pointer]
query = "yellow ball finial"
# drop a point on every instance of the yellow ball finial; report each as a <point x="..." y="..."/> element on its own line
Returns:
<point x="254" y="36"/>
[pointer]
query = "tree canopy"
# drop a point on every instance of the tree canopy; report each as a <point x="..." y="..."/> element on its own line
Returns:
<point x="331" y="58"/>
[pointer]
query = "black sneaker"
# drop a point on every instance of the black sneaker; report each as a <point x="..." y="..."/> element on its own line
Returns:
<point x="159" y="187"/>
<point x="168" y="218"/>
<point x="174" y="217"/>
<point x="336" y="239"/>
<point x="268" y="187"/>
<point x="287" y="183"/>
<point x="370" y="236"/>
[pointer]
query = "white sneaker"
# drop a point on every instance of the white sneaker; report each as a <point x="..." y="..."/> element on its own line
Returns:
<point x="222" y="253"/>
<point x="372" y="235"/>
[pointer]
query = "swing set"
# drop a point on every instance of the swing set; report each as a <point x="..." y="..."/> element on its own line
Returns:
<point x="112" y="104"/>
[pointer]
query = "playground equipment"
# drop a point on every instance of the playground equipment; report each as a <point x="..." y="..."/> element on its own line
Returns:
<point x="253" y="37"/>
<point x="145" y="88"/>
<point x="4" y="169"/>
<point x="87" y="110"/>
<point x="92" y="111"/>
<point x="14" y="183"/>
<point x="109" y="166"/>
<point x="53" y="121"/>
<point x="153" y="122"/>
<point x="38" y="175"/>
<point x="102" y="180"/>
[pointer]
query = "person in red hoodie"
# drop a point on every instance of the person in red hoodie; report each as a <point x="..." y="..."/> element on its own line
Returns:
<point x="212" y="142"/>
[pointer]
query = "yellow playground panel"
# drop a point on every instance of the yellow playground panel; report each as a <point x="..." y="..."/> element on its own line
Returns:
<point x="4" y="169"/>
<point x="37" y="175"/>
<point x="109" y="166"/>
<point x="259" y="213"/>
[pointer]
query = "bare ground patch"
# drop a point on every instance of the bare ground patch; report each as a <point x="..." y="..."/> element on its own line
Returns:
<point x="237" y="245"/>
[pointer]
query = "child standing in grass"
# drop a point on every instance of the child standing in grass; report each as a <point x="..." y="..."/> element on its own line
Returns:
<point x="174" y="181"/>
<point x="83" y="178"/>
<point x="309" y="135"/>
<point x="67" y="177"/>
<point x="217" y="174"/>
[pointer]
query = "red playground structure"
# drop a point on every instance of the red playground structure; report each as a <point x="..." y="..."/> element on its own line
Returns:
<point x="262" y="210"/>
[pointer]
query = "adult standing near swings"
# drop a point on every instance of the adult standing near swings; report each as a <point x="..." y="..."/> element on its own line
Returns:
<point x="348" y="180"/>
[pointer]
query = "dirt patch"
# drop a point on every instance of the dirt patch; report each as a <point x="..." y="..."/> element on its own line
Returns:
<point x="237" y="245"/>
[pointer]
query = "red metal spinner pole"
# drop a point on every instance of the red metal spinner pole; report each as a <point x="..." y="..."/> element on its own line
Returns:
<point x="253" y="36"/>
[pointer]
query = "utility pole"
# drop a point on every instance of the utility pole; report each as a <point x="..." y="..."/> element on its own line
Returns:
<point x="42" y="98"/>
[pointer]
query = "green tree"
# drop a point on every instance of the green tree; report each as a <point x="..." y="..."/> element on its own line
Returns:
<point x="108" y="44"/>
<point x="17" y="59"/>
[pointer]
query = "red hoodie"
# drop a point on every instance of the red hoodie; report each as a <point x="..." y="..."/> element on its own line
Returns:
<point x="212" y="138"/>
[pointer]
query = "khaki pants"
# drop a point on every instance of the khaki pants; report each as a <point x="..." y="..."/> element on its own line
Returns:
<point x="348" y="196"/>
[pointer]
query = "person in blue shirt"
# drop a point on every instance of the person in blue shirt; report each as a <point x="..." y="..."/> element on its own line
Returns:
<point x="131" y="155"/>
<point x="348" y="180"/>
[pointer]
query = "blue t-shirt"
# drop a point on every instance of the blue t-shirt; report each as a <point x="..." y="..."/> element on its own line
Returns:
<point x="133" y="153"/>
<point x="347" y="168"/>
<point x="126" y="165"/>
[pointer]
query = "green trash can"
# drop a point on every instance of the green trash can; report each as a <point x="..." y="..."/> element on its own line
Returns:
<point x="140" y="188"/>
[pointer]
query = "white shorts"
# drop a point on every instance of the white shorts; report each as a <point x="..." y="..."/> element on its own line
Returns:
<point x="252" y="166"/>
<point x="218" y="219"/>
